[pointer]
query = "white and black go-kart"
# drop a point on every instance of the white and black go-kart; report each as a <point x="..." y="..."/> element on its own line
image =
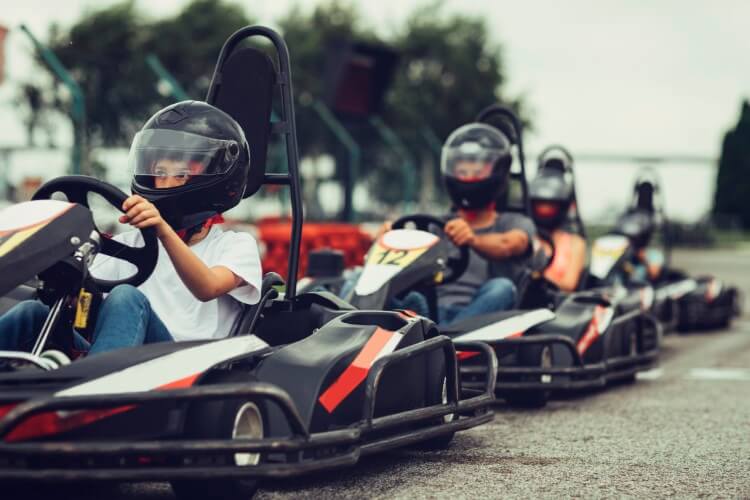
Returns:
<point x="304" y="383"/>
<point x="681" y="302"/>
<point x="590" y="337"/>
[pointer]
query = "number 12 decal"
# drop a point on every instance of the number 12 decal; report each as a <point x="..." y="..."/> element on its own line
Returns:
<point x="394" y="257"/>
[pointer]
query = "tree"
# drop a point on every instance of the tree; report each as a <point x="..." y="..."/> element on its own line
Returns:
<point x="732" y="180"/>
<point x="105" y="52"/>
<point x="448" y="71"/>
<point x="188" y="44"/>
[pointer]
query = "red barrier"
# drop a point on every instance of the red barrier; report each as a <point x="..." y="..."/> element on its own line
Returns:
<point x="275" y="234"/>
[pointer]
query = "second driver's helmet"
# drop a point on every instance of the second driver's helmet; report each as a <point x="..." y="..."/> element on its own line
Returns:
<point x="475" y="164"/>
<point x="551" y="193"/>
<point x="201" y="146"/>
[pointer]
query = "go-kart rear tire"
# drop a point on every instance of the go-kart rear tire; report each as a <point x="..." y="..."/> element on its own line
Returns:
<point x="222" y="420"/>
<point x="532" y="355"/>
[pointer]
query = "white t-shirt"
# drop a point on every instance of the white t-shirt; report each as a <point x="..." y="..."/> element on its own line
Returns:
<point x="186" y="317"/>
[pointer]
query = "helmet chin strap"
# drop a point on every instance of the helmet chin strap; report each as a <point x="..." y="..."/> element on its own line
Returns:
<point x="187" y="234"/>
<point x="472" y="214"/>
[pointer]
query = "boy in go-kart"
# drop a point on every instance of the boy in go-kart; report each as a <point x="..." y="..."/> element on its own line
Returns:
<point x="190" y="163"/>
<point x="475" y="165"/>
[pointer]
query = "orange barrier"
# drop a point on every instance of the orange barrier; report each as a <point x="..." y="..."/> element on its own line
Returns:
<point x="276" y="232"/>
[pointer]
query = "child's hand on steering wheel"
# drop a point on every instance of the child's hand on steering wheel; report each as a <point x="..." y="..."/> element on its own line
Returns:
<point x="141" y="213"/>
<point x="460" y="232"/>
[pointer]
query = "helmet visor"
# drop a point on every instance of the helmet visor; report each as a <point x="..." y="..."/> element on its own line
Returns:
<point x="469" y="162"/>
<point x="171" y="154"/>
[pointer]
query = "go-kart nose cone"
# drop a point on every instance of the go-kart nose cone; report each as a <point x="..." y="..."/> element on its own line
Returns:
<point x="34" y="235"/>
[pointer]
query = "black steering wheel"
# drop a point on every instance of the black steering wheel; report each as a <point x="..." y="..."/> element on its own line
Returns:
<point x="76" y="189"/>
<point x="424" y="222"/>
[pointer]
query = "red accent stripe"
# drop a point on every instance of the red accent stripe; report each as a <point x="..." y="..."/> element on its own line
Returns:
<point x="356" y="373"/>
<point x="592" y="332"/>
<point x="463" y="355"/>
<point x="50" y="423"/>
<point x="5" y="409"/>
<point x="183" y="382"/>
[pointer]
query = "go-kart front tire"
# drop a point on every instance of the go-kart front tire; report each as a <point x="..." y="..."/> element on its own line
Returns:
<point x="443" y="441"/>
<point x="224" y="420"/>
<point x="532" y="355"/>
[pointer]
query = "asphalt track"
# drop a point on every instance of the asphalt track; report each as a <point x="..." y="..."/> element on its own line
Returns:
<point x="683" y="429"/>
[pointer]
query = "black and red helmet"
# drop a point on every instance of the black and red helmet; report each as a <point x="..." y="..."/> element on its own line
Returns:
<point x="552" y="192"/>
<point x="195" y="140"/>
<point x="475" y="164"/>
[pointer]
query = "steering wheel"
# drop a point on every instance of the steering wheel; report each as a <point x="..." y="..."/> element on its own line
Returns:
<point x="424" y="222"/>
<point x="76" y="189"/>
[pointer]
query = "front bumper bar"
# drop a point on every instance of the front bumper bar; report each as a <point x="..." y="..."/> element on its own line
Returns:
<point x="301" y="452"/>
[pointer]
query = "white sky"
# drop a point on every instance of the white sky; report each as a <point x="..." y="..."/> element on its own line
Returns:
<point x="605" y="76"/>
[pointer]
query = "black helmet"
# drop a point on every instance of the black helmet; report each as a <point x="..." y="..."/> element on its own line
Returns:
<point x="197" y="141"/>
<point x="475" y="163"/>
<point x="551" y="192"/>
<point x="640" y="221"/>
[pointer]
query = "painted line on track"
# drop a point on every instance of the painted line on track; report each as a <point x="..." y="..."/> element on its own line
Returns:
<point x="720" y="374"/>
<point x="652" y="374"/>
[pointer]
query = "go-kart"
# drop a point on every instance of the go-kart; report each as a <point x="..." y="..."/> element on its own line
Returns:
<point x="682" y="302"/>
<point x="551" y="342"/>
<point x="304" y="383"/>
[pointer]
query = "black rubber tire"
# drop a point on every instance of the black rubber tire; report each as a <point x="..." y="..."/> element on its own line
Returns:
<point x="214" y="420"/>
<point x="531" y="355"/>
<point x="633" y="351"/>
<point x="443" y="441"/>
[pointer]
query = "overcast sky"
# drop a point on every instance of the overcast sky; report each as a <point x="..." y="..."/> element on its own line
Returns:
<point x="642" y="76"/>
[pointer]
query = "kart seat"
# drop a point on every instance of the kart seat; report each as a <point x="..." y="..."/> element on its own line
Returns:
<point x="278" y="324"/>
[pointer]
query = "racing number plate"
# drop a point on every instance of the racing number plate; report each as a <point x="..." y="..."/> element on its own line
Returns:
<point x="381" y="254"/>
<point x="400" y="247"/>
<point x="606" y="253"/>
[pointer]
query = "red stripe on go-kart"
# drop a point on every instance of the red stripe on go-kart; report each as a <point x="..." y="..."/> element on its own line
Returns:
<point x="356" y="373"/>
<point x="592" y="331"/>
<point x="50" y="423"/>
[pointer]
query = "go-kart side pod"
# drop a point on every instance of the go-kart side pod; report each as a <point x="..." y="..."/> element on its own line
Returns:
<point x="300" y="450"/>
<point x="582" y="345"/>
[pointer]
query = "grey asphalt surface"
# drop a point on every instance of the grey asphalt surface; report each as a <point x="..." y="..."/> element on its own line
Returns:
<point x="683" y="429"/>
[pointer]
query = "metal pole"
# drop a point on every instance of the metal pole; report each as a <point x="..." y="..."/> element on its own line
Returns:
<point x="354" y="151"/>
<point x="175" y="89"/>
<point x="78" y="109"/>
<point x="390" y="138"/>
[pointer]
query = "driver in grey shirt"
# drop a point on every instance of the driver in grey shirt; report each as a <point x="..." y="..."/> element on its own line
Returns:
<point x="475" y="165"/>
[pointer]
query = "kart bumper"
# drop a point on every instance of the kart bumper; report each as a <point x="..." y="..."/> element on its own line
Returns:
<point x="301" y="452"/>
<point x="696" y="311"/>
<point x="574" y="375"/>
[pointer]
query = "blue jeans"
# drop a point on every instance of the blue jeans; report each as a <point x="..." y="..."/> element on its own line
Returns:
<point x="495" y="295"/>
<point x="125" y="320"/>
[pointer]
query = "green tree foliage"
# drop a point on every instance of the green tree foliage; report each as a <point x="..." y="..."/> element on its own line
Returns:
<point x="189" y="43"/>
<point x="105" y="51"/>
<point x="448" y="70"/>
<point x="308" y="35"/>
<point x="733" y="181"/>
